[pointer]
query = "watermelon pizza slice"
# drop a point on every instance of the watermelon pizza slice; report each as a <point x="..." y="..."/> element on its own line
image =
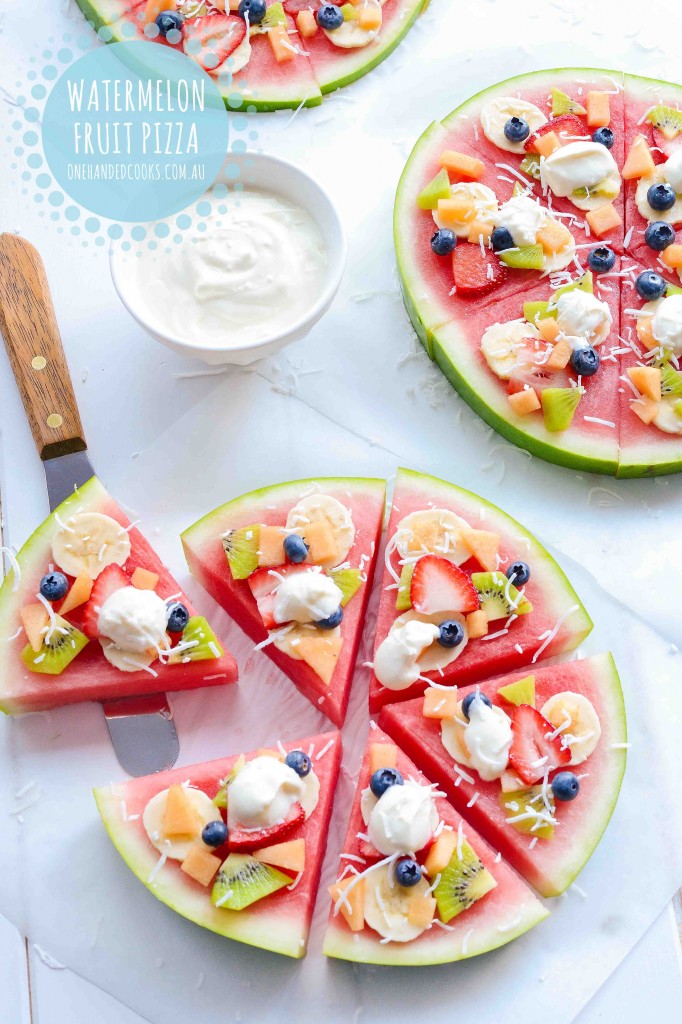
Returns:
<point x="293" y="565"/>
<point x="89" y="612"/>
<point x="235" y="845"/>
<point x="416" y="884"/>
<point x="467" y="593"/>
<point x="533" y="760"/>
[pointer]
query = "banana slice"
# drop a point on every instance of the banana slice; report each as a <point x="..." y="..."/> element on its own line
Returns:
<point x="452" y="736"/>
<point x="238" y="59"/>
<point x="433" y="531"/>
<point x="496" y="113"/>
<point x="667" y="419"/>
<point x="350" y="35"/>
<point x="324" y="508"/>
<point x="126" y="661"/>
<point x="87" y="542"/>
<point x="152" y="819"/>
<point x="565" y="256"/>
<point x="387" y="905"/>
<point x="311" y="793"/>
<point x="582" y="731"/>
<point x="288" y="642"/>
<point x="609" y="189"/>
<point x="482" y="202"/>
<point x="671" y="216"/>
<point x="502" y="345"/>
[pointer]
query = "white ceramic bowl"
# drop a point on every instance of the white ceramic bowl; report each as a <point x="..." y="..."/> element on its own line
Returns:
<point x="270" y="174"/>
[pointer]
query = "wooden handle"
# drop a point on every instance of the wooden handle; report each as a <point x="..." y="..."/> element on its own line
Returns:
<point x="34" y="346"/>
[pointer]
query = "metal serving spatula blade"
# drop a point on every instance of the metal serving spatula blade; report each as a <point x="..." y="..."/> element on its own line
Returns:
<point x="141" y="728"/>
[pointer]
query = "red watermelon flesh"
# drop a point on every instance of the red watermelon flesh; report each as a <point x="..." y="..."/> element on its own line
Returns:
<point x="504" y="913"/>
<point x="279" y="922"/>
<point x="551" y="865"/>
<point x="270" y="506"/>
<point x="89" y="676"/>
<point x="557" y="623"/>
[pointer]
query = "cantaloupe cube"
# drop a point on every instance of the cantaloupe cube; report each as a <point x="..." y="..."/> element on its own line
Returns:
<point x="281" y="44"/>
<point x="271" y="546"/>
<point x="34" y="619"/>
<point x="524" y="402"/>
<point x="460" y="165"/>
<point x="549" y="329"/>
<point x="560" y="355"/>
<point x="440" y="854"/>
<point x="480" y="229"/>
<point x="603" y="219"/>
<point x="155" y="7"/>
<point x="200" y="864"/>
<point x="179" y="816"/>
<point x="268" y="752"/>
<point x="483" y="545"/>
<point x="382" y="755"/>
<point x="639" y="163"/>
<point x="598" y="109"/>
<point x="306" y="24"/>
<point x="477" y="624"/>
<point x="439" y="703"/>
<point x="645" y="332"/>
<point x="369" y="18"/>
<point x="645" y="408"/>
<point x="319" y="537"/>
<point x="143" y="579"/>
<point x="546" y="144"/>
<point x="553" y="236"/>
<point x="647" y="380"/>
<point x="455" y="211"/>
<point x="80" y="591"/>
<point x="421" y="911"/>
<point x="352" y="908"/>
<point x="672" y="256"/>
<point x="290" y="855"/>
<point x="321" y="653"/>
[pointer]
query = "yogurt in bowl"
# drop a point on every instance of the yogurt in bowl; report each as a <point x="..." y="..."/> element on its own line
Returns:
<point x="261" y="272"/>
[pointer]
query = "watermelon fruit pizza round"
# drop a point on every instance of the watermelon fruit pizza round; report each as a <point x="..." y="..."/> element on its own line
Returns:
<point x="268" y="55"/>
<point x="535" y="232"/>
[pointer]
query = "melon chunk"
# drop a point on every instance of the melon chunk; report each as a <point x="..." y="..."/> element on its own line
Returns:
<point x="34" y="619"/>
<point x="645" y="332"/>
<point x="382" y="755"/>
<point x="639" y="163"/>
<point x="200" y="865"/>
<point x="179" y="816"/>
<point x="154" y="8"/>
<point x="321" y="653"/>
<point x="439" y="703"/>
<point x="290" y="856"/>
<point x="480" y="229"/>
<point x="319" y="537"/>
<point x="306" y="24"/>
<point x="553" y="237"/>
<point x="483" y="545"/>
<point x="421" y="911"/>
<point x="645" y="408"/>
<point x="672" y="256"/>
<point x="598" y="110"/>
<point x="455" y="211"/>
<point x="352" y="906"/>
<point x="548" y="328"/>
<point x="460" y="165"/>
<point x="603" y="219"/>
<point x="440" y="854"/>
<point x="143" y="579"/>
<point x="560" y="355"/>
<point x="647" y="380"/>
<point x="546" y="144"/>
<point x="281" y="44"/>
<point x="477" y="624"/>
<point x="524" y="402"/>
<point x="80" y="591"/>
<point x="271" y="546"/>
<point x="369" y="18"/>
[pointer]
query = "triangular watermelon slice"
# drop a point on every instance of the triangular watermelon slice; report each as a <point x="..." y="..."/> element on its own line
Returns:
<point x="283" y="868"/>
<point x="325" y="685"/>
<point x="28" y="680"/>
<point x="551" y="857"/>
<point x="557" y="621"/>
<point x="481" y="902"/>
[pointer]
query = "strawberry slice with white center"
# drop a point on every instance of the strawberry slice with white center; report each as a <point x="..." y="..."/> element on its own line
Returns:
<point x="476" y="272"/>
<point x="535" y="750"/>
<point x="439" y="586"/>
<point x="567" y="128"/>
<point x="210" y="40"/>
<point x="249" y="839"/>
<point x="107" y="583"/>
<point x="264" y="583"/>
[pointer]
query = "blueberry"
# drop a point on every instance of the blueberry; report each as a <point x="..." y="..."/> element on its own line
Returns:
<point x="601" y="259"/>
<point x="169" y="21"/>
<point x="516" y="129"/>
<point x="650" y="285"/>
<point x="468" y="701"/>
<point x="451" y="633"/>
<point x="214" y="834"/>
<point x="407" y="872"/>
<point x="565" y="786"/>
<point x="332" y="621"/>
<point x="659" y="235"/>
<point x="54" y="586"/>
<point x="661" y="197"/>
<point x="585" y="361"/>
<point x="299" y="762"/>
<point x="295" y="548"/>
<point x="443" y="242"/>
<point x="178" y="617"/>
<point x="501" y="239"/>
<point x="604" y="136"/>
<point x="253" y="9"/>
<point x="330" y="16"/>
<point x="383" y="779"/>
<point x="518" y="573"/>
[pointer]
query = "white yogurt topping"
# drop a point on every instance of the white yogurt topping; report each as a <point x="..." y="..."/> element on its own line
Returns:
<point x="395" y="661"/>
<point x="403" y="819"/>
<point x="673" y="171"/>
<point x="488" y="738"/>
<point x="306" y="597"/>
<point x="134" y="619"/>
<point x="262" y="793"/>
<point x="522" y="217"/>
<point x="254" y="272"/>
<point x="666" y="323"/>
<point x="580" y="314"/>
<point x="577" y="165"/>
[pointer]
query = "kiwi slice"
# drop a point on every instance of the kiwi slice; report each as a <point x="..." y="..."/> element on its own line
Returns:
<point x="558" y="407"/>
<point x="525" y="257"/>
<point x="220" y="799"/>
<point x="605" y="189"/>
<point x="437" y="188"/>
<point x="530" y="800"/>
<point x="672" y="289"/>
<point x="518" y="190"/>
<point x="348" y="581"/>
<point x="349" y="12"/>
<point x="242" y="880"/>
<point x="462" y="883"/>
<point x="273" y="16"/>
<point x="667" y="119"/>
<point x="520" y="692"/>
<point x="530" y="165"/>
<point x="563" y="104"/>
<point x="534" y="311"/>
<point x="403" y="601"/>
<point x="499" y="598"/>
<point x="61" y="644"/>
<point x="241" y="548"/>
<point x="671" y="380"/>
<point x="583" y="284"/>
<point x="206" y="643"/>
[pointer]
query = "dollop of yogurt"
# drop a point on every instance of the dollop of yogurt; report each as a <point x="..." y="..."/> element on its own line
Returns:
<point x="403" y="819"/>
<point x="488" y="738"/>
<point x="522" y="217"/>
<point x="306" y="597"/>
<point x="666" y="323"/>
<point x="582" y="315"/>
<point x="673" y="171"/>
<point x="396" y="659"/>
<point x="262" y="793"/>
<point x="135" y="620"/>
<point x="577" y="165"/>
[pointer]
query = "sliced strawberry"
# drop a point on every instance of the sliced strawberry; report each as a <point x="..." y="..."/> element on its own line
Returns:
<point x="533" y="751"/>
<point x="241" y="839"/>
<point x="212" y="39"/>
<point x="537" y="377"/>
<point x="107" y="583"/>
<point x="439" y="586"/>
<point x="470" y="270"/>
<point x="263" y="584"/>
<point x="567" y="127"/>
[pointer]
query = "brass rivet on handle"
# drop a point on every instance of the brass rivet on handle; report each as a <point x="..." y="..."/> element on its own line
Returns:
<point x="54" y="420"/>
<point x="39" y="362"/>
